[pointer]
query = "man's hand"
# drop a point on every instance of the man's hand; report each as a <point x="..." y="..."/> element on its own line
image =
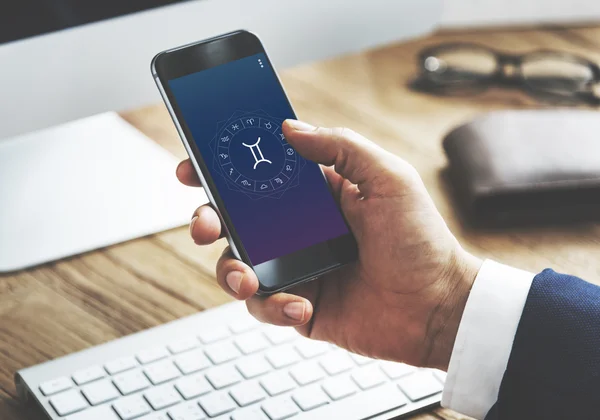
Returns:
<point x="404" y="297"/>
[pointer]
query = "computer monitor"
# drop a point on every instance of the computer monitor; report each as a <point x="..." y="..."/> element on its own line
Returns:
<point x="72" y="188"/>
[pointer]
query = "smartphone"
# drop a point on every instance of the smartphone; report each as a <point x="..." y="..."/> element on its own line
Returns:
<point x="228" y="106"/>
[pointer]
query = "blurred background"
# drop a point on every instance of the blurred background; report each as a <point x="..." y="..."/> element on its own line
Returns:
<point x="469" y="13"/>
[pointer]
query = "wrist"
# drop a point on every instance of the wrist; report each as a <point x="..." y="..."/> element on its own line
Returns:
<point x="443" y="327"/>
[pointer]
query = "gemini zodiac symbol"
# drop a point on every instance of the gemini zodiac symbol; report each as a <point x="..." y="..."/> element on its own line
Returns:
<point x="260" y="153"/>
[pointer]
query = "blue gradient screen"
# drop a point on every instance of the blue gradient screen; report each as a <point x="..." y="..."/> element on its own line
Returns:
<point x="279" y="203"/>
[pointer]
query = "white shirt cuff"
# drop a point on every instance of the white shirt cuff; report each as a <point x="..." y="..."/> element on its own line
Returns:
<point x="485" y="338"/>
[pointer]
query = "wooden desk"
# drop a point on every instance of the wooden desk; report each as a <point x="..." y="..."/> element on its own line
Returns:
<point x="73" y="304"/>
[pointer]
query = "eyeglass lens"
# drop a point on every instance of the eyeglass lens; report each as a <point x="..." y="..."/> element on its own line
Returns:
<point x="548" y="72"/>
<point x="460" y="65"/>
<point x="555" y="74"/>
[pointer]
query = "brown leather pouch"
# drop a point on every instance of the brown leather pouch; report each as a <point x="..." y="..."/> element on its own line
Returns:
<point x="527" y="167"/>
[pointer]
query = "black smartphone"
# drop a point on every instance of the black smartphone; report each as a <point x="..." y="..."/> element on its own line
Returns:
<point x="228" y="105"/>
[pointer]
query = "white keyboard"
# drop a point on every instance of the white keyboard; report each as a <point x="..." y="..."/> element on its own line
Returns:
<point x="222" y="364"/>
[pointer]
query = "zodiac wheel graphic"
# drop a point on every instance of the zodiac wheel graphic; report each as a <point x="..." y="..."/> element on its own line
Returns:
<point x="253" y="156"/>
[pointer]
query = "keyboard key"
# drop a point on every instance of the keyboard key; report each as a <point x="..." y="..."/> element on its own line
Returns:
<point x="160" y="372"/>
<point x="336" y="362"/>
<point x="251" y="342"/>
<point x="100" y="392"/>
<point x="250" y="413"/>
<point x="307" y="373"/>
<point x="361" y="360"/>
<point x="152" y="355"/>
<point x="55" y="386"/>
<point x="279" y="335"/>
<point x="282" y="356"/>
<point x="244" y="324"/>
<point x="130" y="382"/>
<point x="311" y="348"/>
<point x="223" y="376"/>
<point x="162" y="397"/>
<point x="280" y="408"/>
<point x="277" y="383"/>
<point x="339" y="387"/>
<point x="120" y="365"/>
<point x="131" y="407"/>
<point x="247" y="393"/>
<point x="420" y="385"/>
<point x="193" y="386"/>
<point x="254" y="366"/>
<point x="214" y="334"/>
<point x="68" y="402"/>
<point x="217" y="403"/>
<point x="222" y="352"/>
<point x="182" y="345"/>
<point x="192" y="361"/>
<point x="188" y="411"/>
<point x="365" y="404"/>
<point x="85" y="376"/>
<point x="368" y="377"/>
<point x="310" y="397"/>
<point x="104" y="412"/>
<point x="155" y="416"/>
<point x="396" y="370"/>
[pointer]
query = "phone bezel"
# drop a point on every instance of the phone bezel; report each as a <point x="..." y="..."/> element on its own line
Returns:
<point x="202" y="55"/>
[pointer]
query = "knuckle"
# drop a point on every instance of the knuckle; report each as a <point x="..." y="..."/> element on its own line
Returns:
<point x="255" y="308"/>
<point x="324" y="132"/>
<point x="251" y="308"/>
<point x="223" y="260"/>
<point x="341" y="160"/>
<point x="347" y="133"/>
<point x="409" y="173"/>
<point x="344" y="137"/>
<point x="201" y="208"/>
<point x="342" y="134"/>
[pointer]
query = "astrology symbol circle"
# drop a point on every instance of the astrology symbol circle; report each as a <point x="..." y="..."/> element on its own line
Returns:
<point x="253" y="156"/>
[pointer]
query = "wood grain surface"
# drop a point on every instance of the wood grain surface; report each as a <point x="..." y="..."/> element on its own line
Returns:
<point x="70" y="305"/>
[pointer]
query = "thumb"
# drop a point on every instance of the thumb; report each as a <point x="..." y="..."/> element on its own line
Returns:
<point x="353" y="156"/>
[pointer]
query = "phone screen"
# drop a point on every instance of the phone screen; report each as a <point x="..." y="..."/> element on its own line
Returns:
<point x="278" y="202"/>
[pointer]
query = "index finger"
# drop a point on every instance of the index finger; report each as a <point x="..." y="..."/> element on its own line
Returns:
<point x="187" y="174"/>
<point x="352" y="156"/>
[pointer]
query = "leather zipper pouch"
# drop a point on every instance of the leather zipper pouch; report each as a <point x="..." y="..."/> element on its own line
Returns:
<point x="527" y="167"/>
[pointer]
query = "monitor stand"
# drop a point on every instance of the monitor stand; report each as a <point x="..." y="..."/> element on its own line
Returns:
<point x="82" y="186"/>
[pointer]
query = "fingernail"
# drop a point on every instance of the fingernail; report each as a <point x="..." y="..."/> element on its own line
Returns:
<point x="234" y="281"/>
<point x="295" y="310"/>
<point x="192" y="223"/>
<point x="301" y="125"/>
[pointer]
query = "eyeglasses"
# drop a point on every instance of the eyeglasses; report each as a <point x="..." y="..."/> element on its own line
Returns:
<point x="468" y="69"/>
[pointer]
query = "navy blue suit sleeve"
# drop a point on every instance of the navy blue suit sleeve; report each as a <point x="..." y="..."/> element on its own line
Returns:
<point x="554" y="367"/>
